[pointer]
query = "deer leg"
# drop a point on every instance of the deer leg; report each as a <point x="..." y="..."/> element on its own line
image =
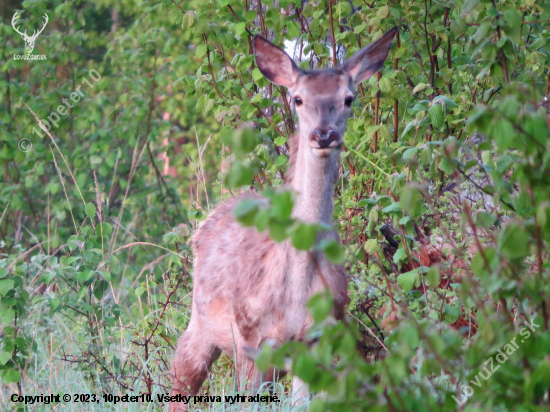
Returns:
<point x="193" y="359"/>
<point x="247" y="373"/>
<point x="251" y="379"/>
<point x="300" y="392"/>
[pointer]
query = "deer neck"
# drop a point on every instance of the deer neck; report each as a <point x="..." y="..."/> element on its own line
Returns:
<point x="313" y="180"/>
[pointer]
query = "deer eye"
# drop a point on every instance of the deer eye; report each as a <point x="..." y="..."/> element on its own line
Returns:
<point x="348" y="101"/>
<point x="298" y="101"/>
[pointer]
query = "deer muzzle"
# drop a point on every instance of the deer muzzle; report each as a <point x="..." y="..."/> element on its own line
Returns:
<point x="324" y="140"/>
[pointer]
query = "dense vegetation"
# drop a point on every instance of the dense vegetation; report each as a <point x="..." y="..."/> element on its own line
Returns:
<point x="443" y="200"/>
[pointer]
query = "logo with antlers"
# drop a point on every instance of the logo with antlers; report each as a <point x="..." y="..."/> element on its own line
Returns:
<point x="29" y="40"/>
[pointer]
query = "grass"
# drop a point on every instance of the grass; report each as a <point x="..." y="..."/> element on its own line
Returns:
<point x="48" y="372"/>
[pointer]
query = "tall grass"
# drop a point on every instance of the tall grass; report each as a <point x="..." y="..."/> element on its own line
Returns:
<point x="49" y="372"/>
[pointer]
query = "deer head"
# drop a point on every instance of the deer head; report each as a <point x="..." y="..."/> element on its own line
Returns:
<point x="323" y="98"/>
<point x="29" y="40"/>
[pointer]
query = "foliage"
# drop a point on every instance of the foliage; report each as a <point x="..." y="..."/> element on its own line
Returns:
<point x="449" y="144"/>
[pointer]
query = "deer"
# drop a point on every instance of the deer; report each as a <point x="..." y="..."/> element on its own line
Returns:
<point x="29" y="40"/>
<point x="249" y="289"/>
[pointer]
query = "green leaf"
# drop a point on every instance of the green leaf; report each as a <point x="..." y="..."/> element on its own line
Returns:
<point x="251" y="16"/>
<point x="201" y="50"/>
<point x="437" y="115"/>
<point x="257" y="74"/>
<point x="209" y="105"/>
<point x="245" y="211"/>
<point x="280" y="140"/>
<point x="305" y="367"/>
<point x="542" y="373"/>
<point x="385" y="85"/>
<point x="485" y="219"/>
<point x="410" y="154"/>
<point x="261" y="220"/>
<point x="84" y="276"/>
<point x="373" y="215"/>
<point x="4" y="357"/>
<point x="394" y="207"/>
<point x="200" y="27"/>
<point x="514" y="241"/>
<point x="263" y="360"/>
<point x="201" y="103"/>
<point x="359" y="29"/>
<point x="282" y="205"/>
<point x="102" y="286"/>
<point x="512" y="17"/>
<point x="433" y="277"/>
<point x="188" y="19"/>
<point x="281" y="160"/>
<point x="406" y="280"/>
<point x="446" y="167"/>
<point x="114" y="263"/>
<point x="419" y="87"/>
<point x="52" y="187"/>
<point x="468" y="6"/>
<point x="400" y="255"/>
<point x="239" y="175"/>
<point x="170" y="238"/>
<point x="333" y="250"/>
<point x="382" y="12"/>
<point x="371" y="246"/>
<point x="95" y="160"/>
<point x="409" y="127"/>
<point x="447" y="102"/>
<point x="537" y="128"/>
<point x="409" y="199"/>
<point x="502" y="131"/>
<point x="240" y="28"/>
<point x="243" y="142"/>
<point x="293" y="29"/>
<point x="426" y="156"/>
<point x="277" y="230"/>
<point x="481" y="32"/>
<point x="303" y="236"/>
<point x="522" y="203"/>
<point x="11" y="376"/>
<point x="90" y="210"/>
<point x="452" y="313"/>
<point x="7" y="315"/>
<point x="5" y="286"/>
<point x="54" y="303"/>
<point x="320" y="305"/>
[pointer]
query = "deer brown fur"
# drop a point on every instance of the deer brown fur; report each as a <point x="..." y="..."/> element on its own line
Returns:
<point x="249" y="289"/>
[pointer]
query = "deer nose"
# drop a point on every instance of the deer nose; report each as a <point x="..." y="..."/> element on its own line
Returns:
<point x="326" y="138"/>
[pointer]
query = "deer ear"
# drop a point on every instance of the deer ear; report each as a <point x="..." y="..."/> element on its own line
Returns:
<point x="367" y="61"/>
<point x="274" y="63"/>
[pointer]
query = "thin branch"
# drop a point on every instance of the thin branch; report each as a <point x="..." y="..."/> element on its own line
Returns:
<point x="332" y="33"/>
